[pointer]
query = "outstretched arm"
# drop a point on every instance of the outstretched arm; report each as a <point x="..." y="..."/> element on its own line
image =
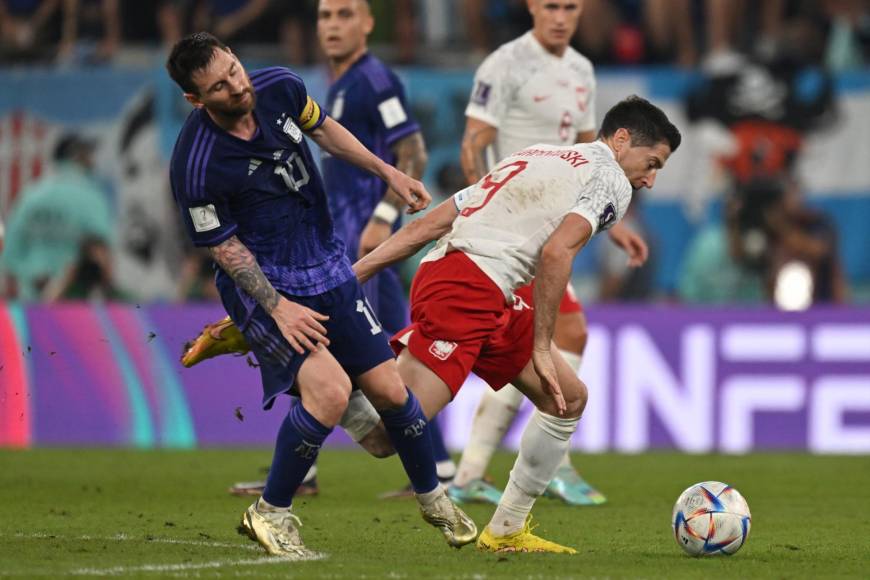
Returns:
<point x="408" y="240"/>
<point x="300" y="325"/>
<point x="339" y="142"/>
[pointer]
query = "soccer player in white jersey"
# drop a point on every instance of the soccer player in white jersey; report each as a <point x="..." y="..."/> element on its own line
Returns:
<point x="535" y="89"/>
<point x="526" y="218"/>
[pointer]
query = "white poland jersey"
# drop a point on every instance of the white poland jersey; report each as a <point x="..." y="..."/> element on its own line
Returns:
<point x="533" y="96"/>
<point x="506" y="217"/>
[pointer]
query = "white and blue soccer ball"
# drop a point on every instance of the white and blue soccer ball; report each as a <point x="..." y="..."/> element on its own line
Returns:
<point x="711" y="518"/>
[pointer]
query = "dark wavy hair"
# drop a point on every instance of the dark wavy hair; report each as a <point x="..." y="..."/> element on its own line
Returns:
<point x="190" y="54"/>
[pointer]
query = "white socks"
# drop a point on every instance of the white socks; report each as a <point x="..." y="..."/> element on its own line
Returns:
<point x="543" y="447"/>
<point x="493" y="418"/>
<point x="429" y="497"/>
<point x="445" y="470"/>
<point x="495" y="413"/>
<point x="265" y="507"/>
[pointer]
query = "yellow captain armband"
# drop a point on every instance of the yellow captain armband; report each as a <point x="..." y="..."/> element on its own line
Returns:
<point x="310" y="116"/>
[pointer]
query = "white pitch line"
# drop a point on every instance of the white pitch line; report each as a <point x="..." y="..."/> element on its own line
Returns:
<point x="116" y="570"/>
<point x="126" y="538"/>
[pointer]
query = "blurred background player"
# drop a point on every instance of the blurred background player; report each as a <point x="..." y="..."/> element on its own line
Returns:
<point x="535" y="89"/>
<point x="369" y="100"/>
<point x="59" y="238"/>
<point x="298" y="287"/>
<point x="531" y="215"/>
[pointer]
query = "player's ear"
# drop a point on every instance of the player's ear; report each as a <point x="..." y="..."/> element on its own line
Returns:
<point x="530" y="4"/>
<point x="622" y="138"/>
<point x="368" y="23"/>
<point x="193" y="100"/>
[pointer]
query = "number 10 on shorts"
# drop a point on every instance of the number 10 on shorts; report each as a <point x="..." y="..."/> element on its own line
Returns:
<point x="365" y="308"/>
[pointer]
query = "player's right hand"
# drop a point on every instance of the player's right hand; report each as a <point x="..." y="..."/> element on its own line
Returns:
<point x="543" y="362"/>
<point x="412" y="191"/>
<point x="300" y="325"/>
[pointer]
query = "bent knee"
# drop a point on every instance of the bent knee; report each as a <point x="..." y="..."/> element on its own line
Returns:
<point x="327" y="401"/>
<point x="575" y="395"/>
<point x="577" y="403"/>
<point x="390" y="394"/>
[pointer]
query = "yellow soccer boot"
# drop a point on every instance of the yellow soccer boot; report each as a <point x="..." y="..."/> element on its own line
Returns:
<point x="521" y="541"/>
<point x="216" y="339"/>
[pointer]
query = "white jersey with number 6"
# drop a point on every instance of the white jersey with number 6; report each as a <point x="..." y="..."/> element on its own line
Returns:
<point x="533" y="96"/>
<point x="506" y="217"/>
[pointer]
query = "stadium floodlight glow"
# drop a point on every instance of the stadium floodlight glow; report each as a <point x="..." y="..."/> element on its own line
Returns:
<point x="794" y="287"/>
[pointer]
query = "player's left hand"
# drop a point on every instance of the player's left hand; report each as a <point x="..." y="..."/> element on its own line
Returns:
<point x="373" y="235"/>
<point x="543" y="362"/>
<point x="631" y="243"/>
<point x="412" y="191"/>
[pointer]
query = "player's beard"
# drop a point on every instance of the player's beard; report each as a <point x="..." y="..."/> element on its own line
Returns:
<point x="239" y="107"/>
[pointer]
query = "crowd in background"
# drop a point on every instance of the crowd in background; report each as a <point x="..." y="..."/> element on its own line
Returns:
<point x="768" y="246"/>
<point x="687" y="33"/>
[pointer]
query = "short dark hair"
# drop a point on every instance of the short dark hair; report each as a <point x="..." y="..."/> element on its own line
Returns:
<point x="190" y="54"/>
<point x="647" y="124"/>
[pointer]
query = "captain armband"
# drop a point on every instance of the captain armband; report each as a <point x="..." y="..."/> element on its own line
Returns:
<point x="310" y="116"/>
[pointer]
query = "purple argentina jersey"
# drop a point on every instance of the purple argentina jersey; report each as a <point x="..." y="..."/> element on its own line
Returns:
<point x="267" y="191"/>
<point x="369" y="100"/>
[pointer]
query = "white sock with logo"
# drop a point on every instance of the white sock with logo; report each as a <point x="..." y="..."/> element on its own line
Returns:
<point x="543" y="446"/>
<point x="495" y="413"/>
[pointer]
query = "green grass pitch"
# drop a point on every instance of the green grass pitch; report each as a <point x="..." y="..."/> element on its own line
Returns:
<point x="74" y="512"/>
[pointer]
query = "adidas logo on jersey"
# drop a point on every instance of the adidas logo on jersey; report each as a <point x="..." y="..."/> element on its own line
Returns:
<point x="253" y="165"/>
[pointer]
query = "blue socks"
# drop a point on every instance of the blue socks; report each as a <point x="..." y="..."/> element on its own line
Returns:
<point x="299" y="441"/>
<point x="409" y="431"/>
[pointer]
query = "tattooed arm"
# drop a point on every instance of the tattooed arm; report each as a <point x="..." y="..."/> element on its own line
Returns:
<point x="300" y="325"/>
<point x="411" y="160"/>
<point x="238" y="261"/>
<point x="478" y="136"/>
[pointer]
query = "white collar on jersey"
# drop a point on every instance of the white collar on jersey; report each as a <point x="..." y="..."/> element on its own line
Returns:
<point x="603" y="145"/>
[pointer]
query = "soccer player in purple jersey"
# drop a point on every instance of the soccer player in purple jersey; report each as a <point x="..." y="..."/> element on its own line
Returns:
<point x="369" y="100"/>
<point x="248" y="190"/>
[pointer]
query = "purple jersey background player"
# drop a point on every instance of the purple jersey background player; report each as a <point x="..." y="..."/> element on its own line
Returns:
<point x="369" y="100"/>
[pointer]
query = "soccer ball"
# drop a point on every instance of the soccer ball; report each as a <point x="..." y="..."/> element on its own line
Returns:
<point x="711" y="518"/>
